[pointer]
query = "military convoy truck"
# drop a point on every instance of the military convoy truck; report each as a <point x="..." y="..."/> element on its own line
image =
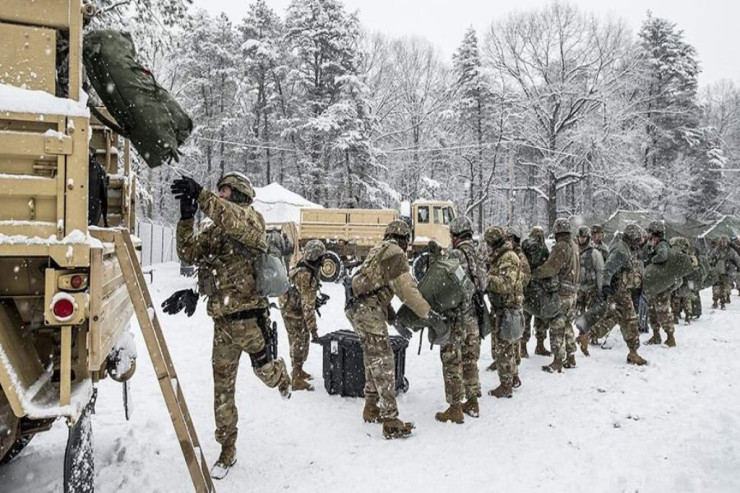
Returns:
<point x="349" y="234"/>
<point x="69" y="285"/>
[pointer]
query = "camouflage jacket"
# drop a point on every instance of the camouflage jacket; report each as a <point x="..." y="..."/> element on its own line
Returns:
<point x="724" y="260"/>
<point x="465" y="253"/>
<point x="659" y="253"/>
<point x="603" y="249"/>
<point x="225" y="274"/>
<point x="526" y="272"/>
<point x="564" y="263"/>
<point x="300" y="300"/>
<point x="622" y="269"/>
<point x="592" y="268"/>
<point x="505" y="279"/>
<point x="385" y="273"/>
<point x="535" y="251"/>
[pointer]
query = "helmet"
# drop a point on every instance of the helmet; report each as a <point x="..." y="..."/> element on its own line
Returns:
<point x="313" y="250"/>
<point x="461" y="225"/>
<point x="680" y="242"/>
<point x="724" y="240"/>
<point x="537" y="232"/>
<point x="584" y="232"/>
<point x="597" y="228"/>
<point x="494" y="235"/>
<point x="398" y="227"/>
<point x="562" y="225"/>
<point x="513" y="231"/>
<point x="656" y="228"/>
<point x="239" y="182"/>
<point x="633" y="232"/>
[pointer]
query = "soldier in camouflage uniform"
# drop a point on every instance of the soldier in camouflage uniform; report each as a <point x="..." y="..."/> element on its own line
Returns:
<point x="383" y="274"/>
<point x="621" y="277"/>
<point x="460" y="356"/>
<point x="563" y="264"/>
<point x="514" y="239"/>
<point x="225" y="252"/>
<point x="504" y="293"/>
<point x="591" y="278"/>
<point x="298" y="307"/>
<point x="683" y="297"/>
<point x="597" y="239"/>
<point x="660" y="304"/>
<point x="536" y="251"/>
<point x="723" y="260"/>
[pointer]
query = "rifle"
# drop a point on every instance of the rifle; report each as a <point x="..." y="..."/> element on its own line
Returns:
<point x="321" y="300"/>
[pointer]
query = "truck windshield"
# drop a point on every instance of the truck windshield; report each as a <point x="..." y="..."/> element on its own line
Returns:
<point x="438" y="216"/>
<point x="447" y="215"/>
<point x="422" y="216"/>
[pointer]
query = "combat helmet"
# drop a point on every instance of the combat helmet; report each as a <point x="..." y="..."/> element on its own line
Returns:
<point x="561" y="225"/>
<point x="680" y="242"/>
<point x="494" y="236"/>
<point x="239" y="183"/>
<point x="461" y="225"/>
<point x="313" y="250"/>
<point x="633" y="233"/>
<point x="537" y="232"/>
<point x="398" y="228"/>
<point x="584" y="232"/>
<point x="513" y="232"/>
<point x="656" y="228"/>
<point x="597" y="228"/>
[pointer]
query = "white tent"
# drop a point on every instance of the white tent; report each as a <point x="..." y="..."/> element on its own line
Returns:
<point x="279" y="205"/>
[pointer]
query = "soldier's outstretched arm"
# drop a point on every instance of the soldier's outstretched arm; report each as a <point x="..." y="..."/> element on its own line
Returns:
<point x="405" y="288"/>
<point x="190" y="246"/>
<point x="245" y="225"/>
<point x="505" y="279"/>
<point x="551" y="268"/>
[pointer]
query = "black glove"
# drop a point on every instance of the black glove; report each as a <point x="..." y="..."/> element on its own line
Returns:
<point x="188" y="208"/>
<point x="606" y="290"/>
<point x="402" y="330"/>
<point x="185" y="187"/>
<point x="321" y="300"/>
<point x="185" y="298"/>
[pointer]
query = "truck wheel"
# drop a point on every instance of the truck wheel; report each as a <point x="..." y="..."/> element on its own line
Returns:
<point x="332" y="267"/>
<point x="420" y="265"/>
<point x="15" y="449"/>
<point x="79" y="458"/>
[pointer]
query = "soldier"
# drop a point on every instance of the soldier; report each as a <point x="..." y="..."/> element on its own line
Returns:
<point x="563" y="264"/>
<point x="460" y="356"/>
<point x="660" y="304"/>
<point x="723" y="259"/>
<point x="225" y="252"/>
<point x="536" y="251"/>
<point x="505" y="293"/>
<point x="683" y="296"/>
<point x="597" y="238"/>
<point x="298" y="307"/>
<point x="383" y="274"/>
<point x="512" y="236"/>
<point x="591" y="278"/>
<point x="621" y="277"/>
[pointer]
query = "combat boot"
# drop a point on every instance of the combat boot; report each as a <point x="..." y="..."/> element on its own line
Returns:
<point x="470" y="407"/>
<point x="301" y="384"/>
<point x="714" y="304"/>
<point x="555" y="367"/>
<point x="304" y="375"/>
<point x="395" y="428"/>
<point x="502" y="390"/>
<point x="656" y="337"/>
<point x="453" y="413"/>
<point x="371" y="412"/>
<point x="227" y="459"/>
<point x="582" y="341"/>
<point x="523" y="349"/>
<point x="721" y="305"/>
<point x="635" y="359"/>
<point x="670" y="340"/>
<point x="540" y="349"/>
<point x="570" y="361"/>
<point x="517" y="382"/>
<point x="492" y="366"/>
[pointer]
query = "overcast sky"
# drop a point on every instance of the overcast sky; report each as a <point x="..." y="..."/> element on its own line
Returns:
<point x="710" y="25"/>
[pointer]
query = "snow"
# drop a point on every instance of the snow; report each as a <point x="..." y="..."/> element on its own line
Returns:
<point x="17" y="100"/>
<point x="76" y="237"/>
<point x="278" y="204"/>
<point x="54" y="134"/>
<point x="605" y="426"/>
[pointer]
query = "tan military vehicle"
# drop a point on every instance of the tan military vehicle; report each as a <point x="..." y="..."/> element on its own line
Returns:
<point x="349" y="234"/>
<point x="68" y="287"/>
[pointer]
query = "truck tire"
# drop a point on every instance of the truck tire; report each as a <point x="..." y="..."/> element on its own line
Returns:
<point x="332" y="267"/>
<point x="15" y="449"/>
<point x="79" y="457"/>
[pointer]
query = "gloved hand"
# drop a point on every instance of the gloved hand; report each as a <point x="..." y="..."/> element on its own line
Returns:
<point x="439" y="332"/>
<point x="185" y="187"/>
<point x="403" y="331"/>
<point x="185" y="298"/>
<point x="606" y="290"/>
<point x="188" y="208"/>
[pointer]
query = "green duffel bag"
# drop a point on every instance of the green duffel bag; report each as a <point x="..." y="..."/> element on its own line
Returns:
<point x="144" y="111"/>
<point x="659" y="278"/>
<point x="542" y="299"/>
<point x="446" y="285"/>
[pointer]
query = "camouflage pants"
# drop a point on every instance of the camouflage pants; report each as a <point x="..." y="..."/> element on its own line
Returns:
<point x="685" y="303"/>
<point x="230" y="339"/>
<point x="369" y="323"/>
<point x="562" y="338"/>
<point x="660" y="315"/>
<point x="506" y="354"/>
<point x="619" y="310"/>
<point x="299" y="340"/>
<point x="721" y="289"/>
<point x="540" y="328"/>
<point x="460" y="359"/>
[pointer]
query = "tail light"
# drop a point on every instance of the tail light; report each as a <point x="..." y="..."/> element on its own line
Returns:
<point x="73" y="282"/>
<point x="63" y="307"/>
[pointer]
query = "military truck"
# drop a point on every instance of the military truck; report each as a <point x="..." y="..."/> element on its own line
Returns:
<point x="69" y="285"/>
<point x="349" y="234"/>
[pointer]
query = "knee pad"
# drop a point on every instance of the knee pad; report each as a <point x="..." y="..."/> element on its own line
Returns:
<point x="260" y="358"/>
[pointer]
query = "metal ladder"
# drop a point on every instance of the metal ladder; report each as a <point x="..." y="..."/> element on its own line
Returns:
<point x="163" y="367"/>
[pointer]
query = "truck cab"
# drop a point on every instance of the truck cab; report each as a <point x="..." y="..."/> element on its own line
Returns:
<point x="431" y="221"/>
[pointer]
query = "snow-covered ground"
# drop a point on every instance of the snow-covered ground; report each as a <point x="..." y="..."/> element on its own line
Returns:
<point x="605" y="426"/>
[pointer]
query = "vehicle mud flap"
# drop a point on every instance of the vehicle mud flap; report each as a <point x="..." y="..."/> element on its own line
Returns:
<point x="128" y="405"/>
<point x="79" y="457"/>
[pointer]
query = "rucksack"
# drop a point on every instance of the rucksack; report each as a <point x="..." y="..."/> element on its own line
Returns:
<point x="144" y="111"/>
<point x="659" y="278"/>
<point x="270" y="276"/>
<point x="446" y="285"/>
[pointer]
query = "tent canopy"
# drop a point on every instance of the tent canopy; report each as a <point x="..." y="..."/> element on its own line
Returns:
<point x="277" y="204"/>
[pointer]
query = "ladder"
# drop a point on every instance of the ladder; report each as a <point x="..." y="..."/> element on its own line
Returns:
<point x="163" y="367"/>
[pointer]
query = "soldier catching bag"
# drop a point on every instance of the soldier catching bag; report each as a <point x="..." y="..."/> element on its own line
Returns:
<point x="144" y="111"/>
<point x="659" y="278"/>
